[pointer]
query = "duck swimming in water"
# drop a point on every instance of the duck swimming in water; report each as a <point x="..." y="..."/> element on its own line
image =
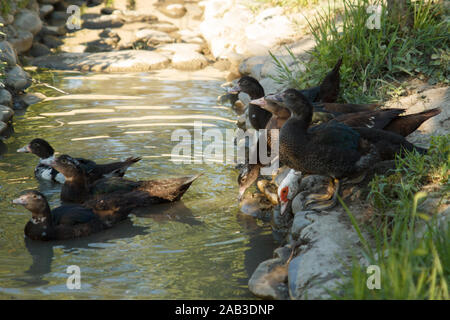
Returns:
<point x="116" y="191"/>
<point x="94" y="171"/>
<point x="332" y="149"/>
<point x="64" y="222"/>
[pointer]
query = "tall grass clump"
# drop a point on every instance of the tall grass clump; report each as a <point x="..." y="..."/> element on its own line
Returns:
<point x="411" y="249"/>
<point x="375" y="60"/>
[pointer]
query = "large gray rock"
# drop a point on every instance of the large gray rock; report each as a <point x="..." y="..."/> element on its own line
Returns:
<point x="17" y="79"/>
<point x="5" y="97"/>
<point x="331" y="242"/>
<point x="7" y="53"/>
<point x="53" y="30"/>
<point x="6" y="113"/>
<point x="31" y="98"/>
<point x="189" y="60"/>
<point x="28" y="20"/>
<point x="117" y="61"/>
<point x="22" y="42"/>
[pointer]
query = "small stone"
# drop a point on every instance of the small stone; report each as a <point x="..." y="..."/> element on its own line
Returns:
<point x="45" y="10"/>
<point x="53" y="30"/>
<point x="39" y="49"/>
<point x="180" y="47"/>
<point x="5" y="97"/>
<point x="107" y="10"/>
<point x="164" y="27"/>
<point x="32" y="98"/>
<point x="269" y="280"/>
<point x="22" y="42"/>
<point x="153" y="37"/>
<point x="28" y="20"/>
<point x="6" y="113"/>
<point x="174" y="11"/>
<point x="52" y="41"/>
<point x="102" y="22"/>
<point x="17" y="79"/>
<point x="7" y="53"/>
<point x="189" y="60"/>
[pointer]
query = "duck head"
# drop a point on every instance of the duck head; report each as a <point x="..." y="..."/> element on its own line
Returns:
<point x="247" y="175"/>
<point x="288" y="189"/>
<point x="295" y="101"/>
<point x="250" y="86"/>
<point x="271" y="106"/>
<point x="39" y="147"/>
<point x="35" y="202"/>
<point x="68" y="166"/>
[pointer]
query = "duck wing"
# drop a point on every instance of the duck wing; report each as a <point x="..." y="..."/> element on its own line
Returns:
<point x="114" y="169"/>
<point x="72" y="215"/>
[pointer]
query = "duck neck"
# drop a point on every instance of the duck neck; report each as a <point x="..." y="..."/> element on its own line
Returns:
<point x="42" y="215"/>
<point x="75" y="189"/>
<point x="256" y="92"/>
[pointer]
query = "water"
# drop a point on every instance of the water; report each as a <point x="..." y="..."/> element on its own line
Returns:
<point x="198" y="248"/>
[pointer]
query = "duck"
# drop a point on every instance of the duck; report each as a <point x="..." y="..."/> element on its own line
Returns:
<point x="45" y="151"/>
<point x="115" y="191"/>
<point x="333" y="149"/>
<point x="349" y="114"/>
<point x="326" y="92"/>
<point x="64" y="222"/>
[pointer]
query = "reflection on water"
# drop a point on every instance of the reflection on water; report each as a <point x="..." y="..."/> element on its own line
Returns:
<point x="197" y="248"/>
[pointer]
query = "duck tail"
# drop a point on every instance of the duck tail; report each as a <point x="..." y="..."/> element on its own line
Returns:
<point x="405" y="125"/>
<point x="168" y="189"/>
<point x="329" y="88"/>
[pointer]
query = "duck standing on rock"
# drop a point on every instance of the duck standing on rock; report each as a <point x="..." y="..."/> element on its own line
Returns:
<point x="94" y="171"/>
<point x="116" y="192"/>
<point x="333" y="149"/>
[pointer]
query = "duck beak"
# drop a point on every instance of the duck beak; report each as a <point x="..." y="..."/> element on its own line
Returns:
<point x="259" y="102"/>
<point x="275" y="98"/>
<point x="21" y="201"/>
<point x="49" y="162"/>
<point x="241" y="193"/>
<point x="234" y="90"/>
<point x="25" y="149"/>
<point x="283" y="207"/>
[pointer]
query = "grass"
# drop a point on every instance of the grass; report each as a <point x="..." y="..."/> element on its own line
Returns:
<point x="411" y="249"/>
<point x="374" y="60"/>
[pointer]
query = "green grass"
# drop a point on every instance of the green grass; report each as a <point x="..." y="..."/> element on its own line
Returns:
<point x="374" y="61"/>
<point x="289" y="3"/>
<point x="411" y="249"/>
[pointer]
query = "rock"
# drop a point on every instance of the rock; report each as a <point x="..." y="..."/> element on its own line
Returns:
<point x="331" y="243"/>
<point x="3" y="127"/>
<point x="270" y="85"/>
<point x="174" y="11"/>
<point x="45" y="10"/>
<point x="153" y="37"/>
<point x="52" y="41"/>
<point x="248" y="64"/>
<point x="48" y="1"/>
<point x="299" y="223"/>
<point x="107" y="10"/>
<point x="269" y="280"/>
<point x="7" y="53"/>
<point x="102" y="22"/>
<point x="189" y="60"/>
<point x="117" y="61"/>
<point x="164" y="27"/>
<point x="39" y="49"/>
<point x="179" y="47"/>
<point x="29" y="98"/>
<point x="17" y="79"/>
<point x="5" y="97"/>
<point x="22" y="42"/>
<point x="28" y="20"/>
<point x="53" y="30"/>
<point x="6" y="113"/>
<point x="58" y="17"/>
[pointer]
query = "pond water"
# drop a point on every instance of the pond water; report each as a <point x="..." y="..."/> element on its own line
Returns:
<point x="198" y="248"/>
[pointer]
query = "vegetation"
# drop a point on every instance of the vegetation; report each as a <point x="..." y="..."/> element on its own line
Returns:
<point x="375" y="60"/>
<point x="412" y="249"/>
